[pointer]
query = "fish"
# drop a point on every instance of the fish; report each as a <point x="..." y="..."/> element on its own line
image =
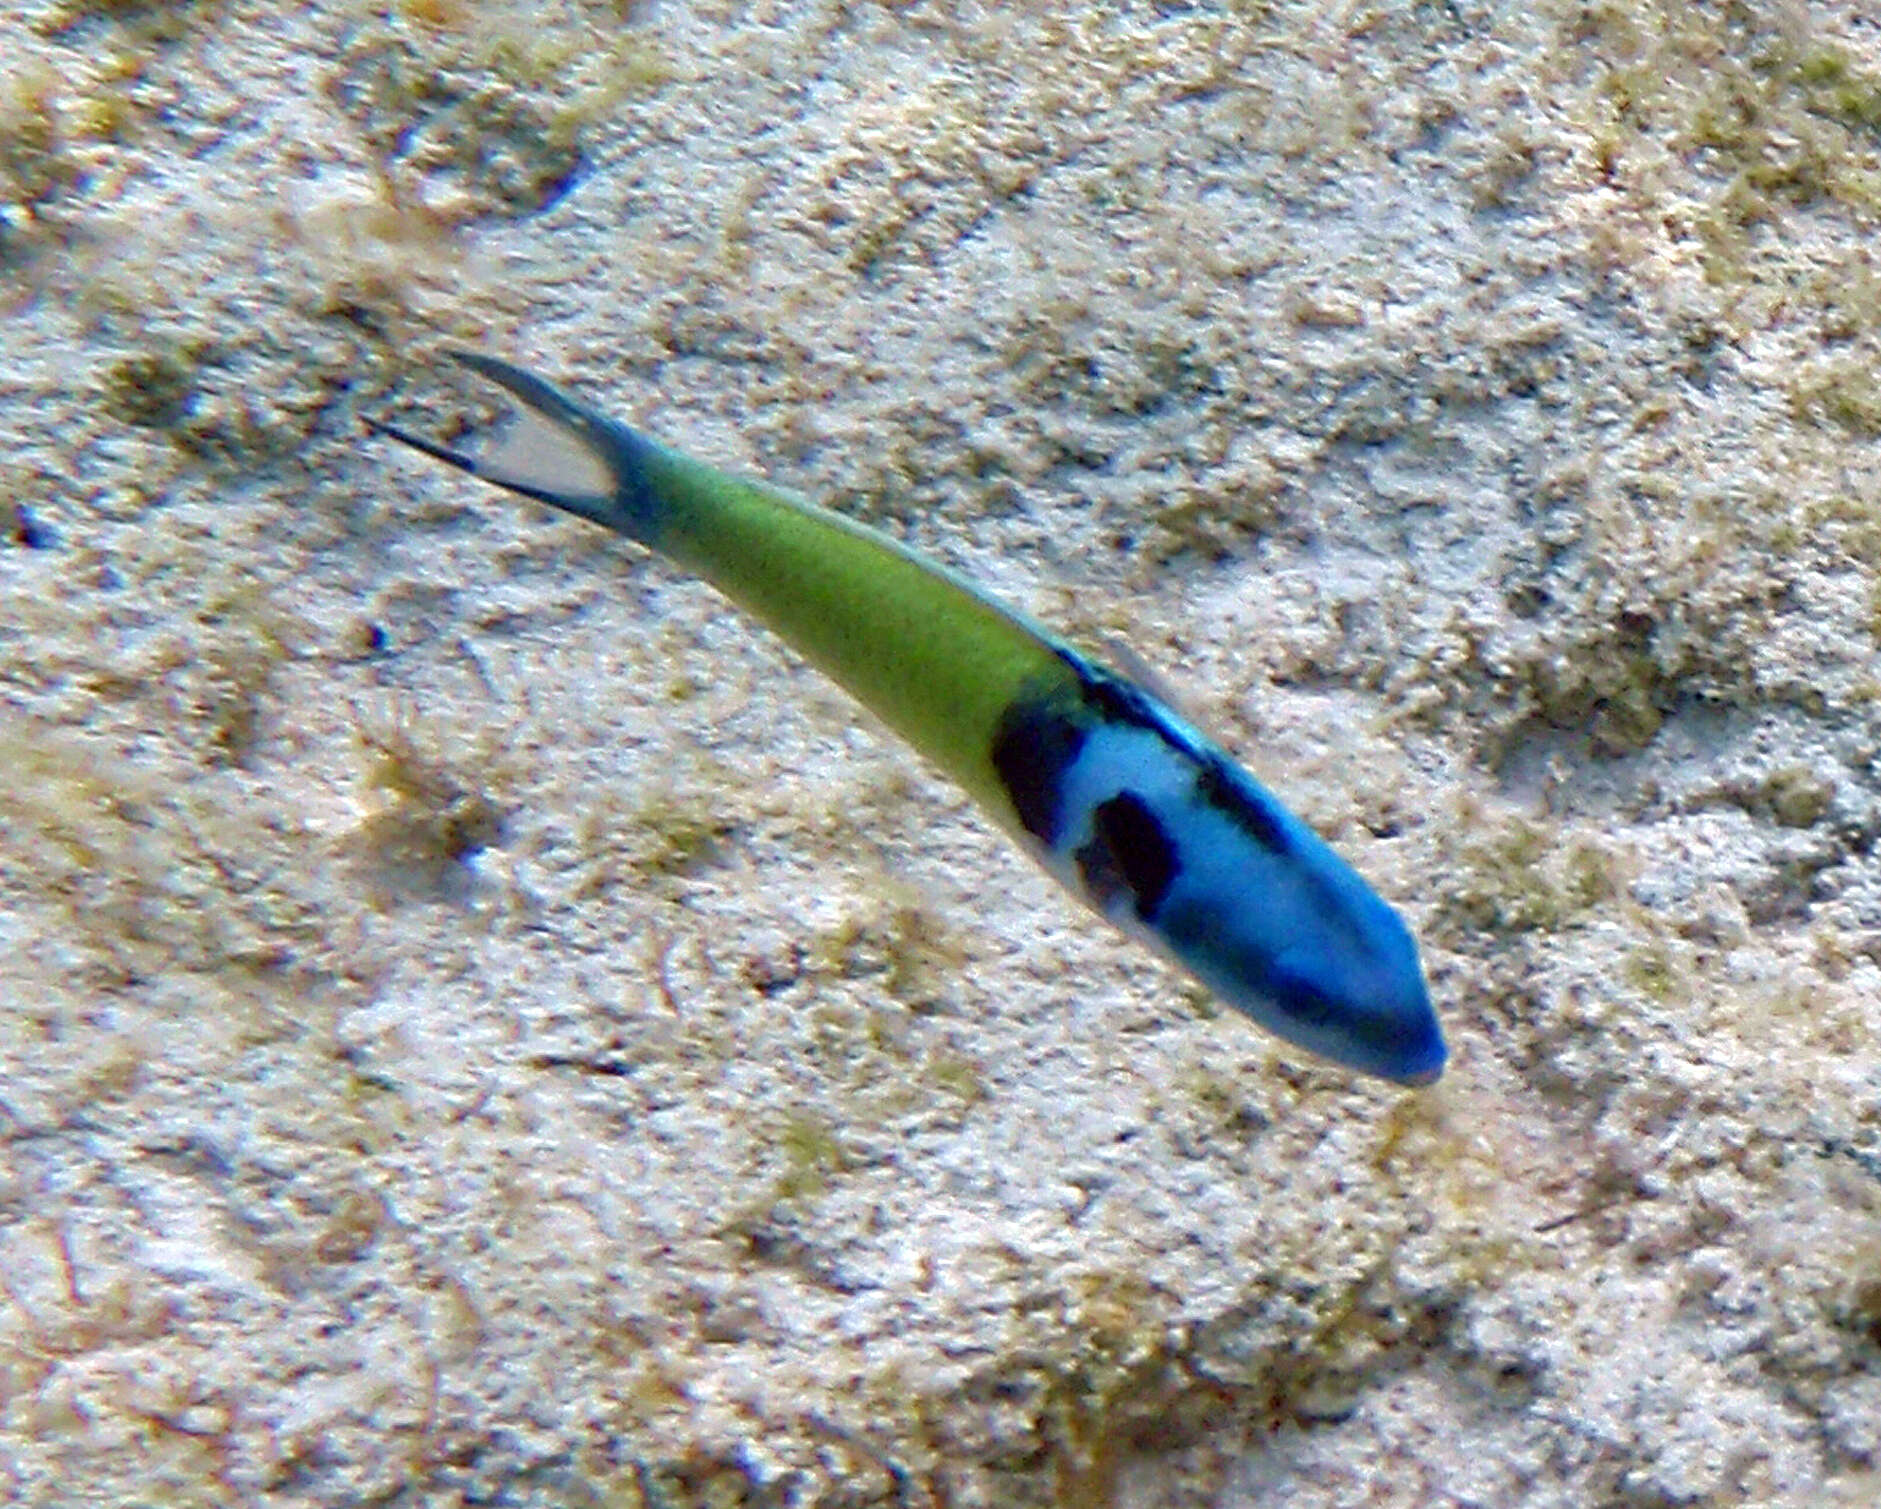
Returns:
<point x="1121" y="799"/>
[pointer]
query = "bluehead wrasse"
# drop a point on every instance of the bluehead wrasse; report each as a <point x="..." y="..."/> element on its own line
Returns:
<point x="1122" y="800"/>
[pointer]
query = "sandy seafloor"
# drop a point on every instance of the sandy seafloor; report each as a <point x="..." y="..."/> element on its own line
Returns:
<point x="481" y="1024"/>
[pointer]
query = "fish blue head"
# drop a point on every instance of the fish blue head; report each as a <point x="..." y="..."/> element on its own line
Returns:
<point x="1326" y="966"/>
<point x="1159" y="830"/>
<point x="1266" y="915"/>
<point x="1367" y="1008"/>
<point x="1311" y="953"/>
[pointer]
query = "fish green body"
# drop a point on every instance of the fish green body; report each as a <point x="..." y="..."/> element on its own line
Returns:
<point x="1125" y="803"/>
<point x="926" y="652"/>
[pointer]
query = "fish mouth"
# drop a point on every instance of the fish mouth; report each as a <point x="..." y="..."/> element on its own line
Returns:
<point x="1424" y="1074"/>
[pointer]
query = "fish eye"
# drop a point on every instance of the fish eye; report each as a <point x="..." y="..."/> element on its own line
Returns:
<point x="1301" y="996"/>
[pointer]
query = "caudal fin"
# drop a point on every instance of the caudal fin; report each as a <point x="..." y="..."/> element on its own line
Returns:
<point x="551" y="448"/>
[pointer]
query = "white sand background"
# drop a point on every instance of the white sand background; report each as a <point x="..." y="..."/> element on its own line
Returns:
<point x="480" y="1023"/>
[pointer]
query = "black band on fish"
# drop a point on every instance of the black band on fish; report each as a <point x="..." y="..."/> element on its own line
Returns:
<point x="1223" y="789"/>
<point x="1129" y="851"/>
<point x="1037" y="741"/>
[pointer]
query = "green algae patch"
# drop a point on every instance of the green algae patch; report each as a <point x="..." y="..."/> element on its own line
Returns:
<point x="1523" y="877"/>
